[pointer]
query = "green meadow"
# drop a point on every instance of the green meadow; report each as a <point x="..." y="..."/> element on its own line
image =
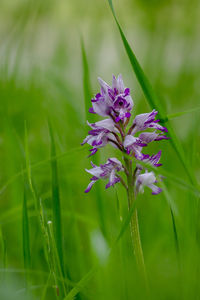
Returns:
<point x="57" y="242"/>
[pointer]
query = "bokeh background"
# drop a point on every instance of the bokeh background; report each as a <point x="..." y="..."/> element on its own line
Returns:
<point x="41" y="78"/>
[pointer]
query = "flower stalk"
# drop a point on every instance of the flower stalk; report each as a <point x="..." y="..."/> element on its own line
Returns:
<point x="134" y="225"/>
<point x="116" y="104"/>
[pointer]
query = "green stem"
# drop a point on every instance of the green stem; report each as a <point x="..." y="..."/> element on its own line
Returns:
<point x="134" y="226"/>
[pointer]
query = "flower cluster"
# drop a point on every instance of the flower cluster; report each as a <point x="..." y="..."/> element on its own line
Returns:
<point x="115" y="103"/>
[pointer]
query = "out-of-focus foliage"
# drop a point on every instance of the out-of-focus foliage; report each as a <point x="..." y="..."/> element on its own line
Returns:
<point x="41" y="79"/>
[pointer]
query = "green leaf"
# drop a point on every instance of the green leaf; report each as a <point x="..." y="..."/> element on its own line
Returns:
<point x="182" y="113"/>
<point x="46" y="287"/>
<point x="173" y="212"/>
<point x="3" y="254"/>
<point x="25" y="232"/>
<point x="56" y="209"/>
<point x="40" y="163"/>
<point x="28" y="170"/>
<point x="55" y="262"/>
<point x="25" y="220"/>
<point x="86" y="84"/>
<point x="153" y="100"/>
<point x="127" y="220"/>
<point x="80" y="285"/>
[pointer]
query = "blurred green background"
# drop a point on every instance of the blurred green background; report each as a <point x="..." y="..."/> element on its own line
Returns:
<point x="41" y="77"/>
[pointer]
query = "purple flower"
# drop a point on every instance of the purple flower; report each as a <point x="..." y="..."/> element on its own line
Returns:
<point x="134" y="145"/>
<point x="147" y="179"/>
<point x="113" y="101"/>
<point x="101" y="134"/>
<point x="154" y="159"/>
<point x="148" y="137"/>
<point x="145" y="121"/>
<point x="108" y="170"/>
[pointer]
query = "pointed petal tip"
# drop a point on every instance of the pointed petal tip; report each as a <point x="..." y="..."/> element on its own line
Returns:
<point x="159" y="190"/>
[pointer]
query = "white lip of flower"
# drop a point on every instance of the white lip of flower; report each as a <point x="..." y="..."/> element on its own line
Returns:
<point x="129" y="140"/>
<point x="106" y="124"/>
<point x="147" y="179"/>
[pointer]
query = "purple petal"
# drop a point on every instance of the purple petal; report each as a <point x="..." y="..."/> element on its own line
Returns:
<point x="161" y="137"/>
<point x="109" y="184"/>
<point x="93" y="151"/>
<point x="91" y="110"/>
<point x="93" y="165"/>
<point x="127" y="114"/>
<point x="155" y="189"/>
<point x="103" y="85"/>
<point x="126" y="92"/>
<point x="117" y="119"/>
<point x="90" y="186"/>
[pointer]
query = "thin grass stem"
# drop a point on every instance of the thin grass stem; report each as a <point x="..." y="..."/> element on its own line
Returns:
<point x="134" y="226"/>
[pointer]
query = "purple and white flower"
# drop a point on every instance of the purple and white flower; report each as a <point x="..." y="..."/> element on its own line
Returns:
<point x="113" y="101"/>
<point x="148" y="137"/>
<point x="102" y="133"/>
<point x="108" y="170"/>
<point x="154" y="159"/>
<point x="147" y="179"/>
<point x="134" y="146"/>
<point x="145" y="121"/>
<point x="151" y="159"/>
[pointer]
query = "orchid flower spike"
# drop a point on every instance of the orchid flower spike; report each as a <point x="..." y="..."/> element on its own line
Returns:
<point x="130" y="138"/>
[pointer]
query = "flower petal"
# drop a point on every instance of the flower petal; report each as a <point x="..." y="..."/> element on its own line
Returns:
<point x="155" y="189"/>
<point x="129" y="140"/>
<point x="103" y="85"/>
<point x="89" y="186"/>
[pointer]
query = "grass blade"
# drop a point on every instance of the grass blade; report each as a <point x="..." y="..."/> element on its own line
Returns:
<point x="46" y="287"/>
<point x="152" y="99"/>
<point x="3" y="254"/>
<point x="56" y="210"/>
<point x="40" y="163"/>
<point x="80" y="285"/>
<point x="127" y="220"/>
<point x="173" y="212"/>
<point x="90" y="117"/>
<point x="182" y="113"/>
<point x="28" y="169"/>
<point x="55" y="262"/>
<point x="86" y="84"/>
<point x="25" y="234"/>
<point x="55" y="259"/>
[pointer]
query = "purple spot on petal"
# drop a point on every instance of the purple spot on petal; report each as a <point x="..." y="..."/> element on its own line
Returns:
<point x="157" y="165"/>
<point x="127" y="92"/>
<point x="117" y="119"/>
<point x="127" y="114"/>
<point x="93" y="151"/>
<point x="158" y="192"/>
<point x="91" y="110"/>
